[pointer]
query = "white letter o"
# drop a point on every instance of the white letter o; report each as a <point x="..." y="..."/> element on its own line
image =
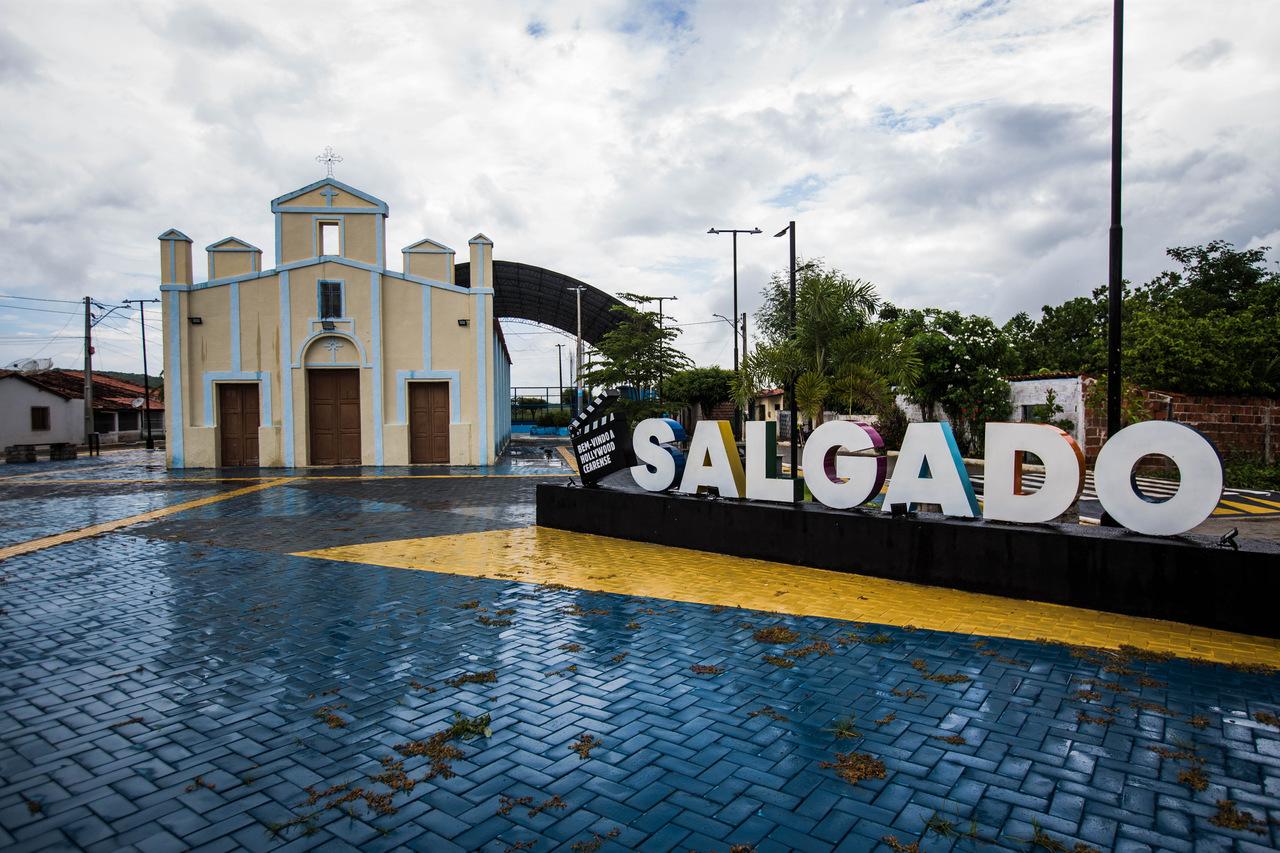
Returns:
<point x="1199" y="474"/>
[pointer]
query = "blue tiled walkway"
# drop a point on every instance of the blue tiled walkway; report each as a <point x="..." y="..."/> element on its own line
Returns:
<point x="188" y="684"/>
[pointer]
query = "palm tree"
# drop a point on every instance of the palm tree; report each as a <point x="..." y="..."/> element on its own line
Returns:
<point x="838" y="353"/>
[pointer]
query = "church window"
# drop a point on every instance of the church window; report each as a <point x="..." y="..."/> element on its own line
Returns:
<point x="330" y="299"/>
<point x="330" y="239"/>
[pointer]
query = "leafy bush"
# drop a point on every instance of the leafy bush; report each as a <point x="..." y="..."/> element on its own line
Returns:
<point x="1243" y="472"/>
<point x="553" y="417"/>
<point x="891" y="423"/>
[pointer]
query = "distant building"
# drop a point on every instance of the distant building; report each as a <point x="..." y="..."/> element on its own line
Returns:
<point x="768" y="403"/>
<point x="48" y="408"/>
<point x="330" y="357"/>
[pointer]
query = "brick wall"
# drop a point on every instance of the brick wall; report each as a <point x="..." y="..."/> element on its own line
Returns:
<point x="1244" y="426"/>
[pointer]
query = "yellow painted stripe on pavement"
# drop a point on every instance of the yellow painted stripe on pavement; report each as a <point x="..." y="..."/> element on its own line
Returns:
<point x="107" y="526"/>
<point x="313" y="478"/>
<point x="603" y="564"/>
<point x="1249" y="508"/>
<point x="568" y="457"/>
<point x="1266" y="502"/>
<point x="161" y="481"/>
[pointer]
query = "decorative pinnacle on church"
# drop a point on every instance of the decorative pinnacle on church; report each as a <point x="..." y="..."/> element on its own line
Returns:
<point x="329" y="157"/>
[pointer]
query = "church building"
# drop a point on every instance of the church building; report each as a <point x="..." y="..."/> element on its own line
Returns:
<point x="329" y="357"/>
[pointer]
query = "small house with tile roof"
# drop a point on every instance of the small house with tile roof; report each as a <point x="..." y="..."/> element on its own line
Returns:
<point x="47" y="407"/>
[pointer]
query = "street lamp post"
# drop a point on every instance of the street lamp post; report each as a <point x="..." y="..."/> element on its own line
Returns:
<point x="791" y="386"/>
<point x="735" y="232"/>
<point x="146" y="376"/>
<point x="1115" y="281"/>
<point x="560" y="375"/>
<point x="577" y="371"/>
<point x="660" y="300"/>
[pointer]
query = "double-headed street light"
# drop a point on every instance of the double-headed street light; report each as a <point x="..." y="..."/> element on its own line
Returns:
<point x="735" y="232"/>
<point x="660" y="300"/>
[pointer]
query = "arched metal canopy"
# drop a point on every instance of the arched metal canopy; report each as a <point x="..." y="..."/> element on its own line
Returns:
<point x="543" y="295"/>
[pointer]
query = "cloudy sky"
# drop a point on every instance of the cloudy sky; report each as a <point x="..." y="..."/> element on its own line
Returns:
<point x="954" y="152"/>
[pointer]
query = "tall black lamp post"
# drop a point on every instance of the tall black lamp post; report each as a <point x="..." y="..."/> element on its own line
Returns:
<point x="735" y="232"/>
<point x="1115" y="281"/>
<point x="791" y="386"/>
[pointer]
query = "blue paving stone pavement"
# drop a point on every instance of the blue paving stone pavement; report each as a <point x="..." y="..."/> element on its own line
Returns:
<point x="187" y="684"/>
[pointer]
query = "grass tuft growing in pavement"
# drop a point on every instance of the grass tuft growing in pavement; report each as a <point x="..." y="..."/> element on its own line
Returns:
<point x="844" y="728"/>
<point x="489" y="676"/>
<point x="770" y="712"/>
<point x="506" y="804"/>
<point x="1041" y="840"/>
<point x="551" y="803"/>
<point x="1267" y="718"/>
<point x="438" y="747"/>
<point x="584" y="744"/>
<point x="821" y="648"/>
<point x="331" y="719"/>
<point x="1230" y="817"/>
<point x="595" y="842"/>
<point x="776" y="634"/>
<point x="854" y="767"/>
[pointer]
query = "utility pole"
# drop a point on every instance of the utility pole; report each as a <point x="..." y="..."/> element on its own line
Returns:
<point x="146" y="376"/>
<point x="577" y="395"/>
<point x="735" y="232"/>
<point x="88" y="373"/>
<point x="791" y="386"/>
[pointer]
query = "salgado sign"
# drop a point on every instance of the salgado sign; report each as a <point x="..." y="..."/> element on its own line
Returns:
<point x="930" y="470"/>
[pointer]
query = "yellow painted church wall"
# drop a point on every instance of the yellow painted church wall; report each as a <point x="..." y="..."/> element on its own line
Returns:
<point x="206" y="349"/>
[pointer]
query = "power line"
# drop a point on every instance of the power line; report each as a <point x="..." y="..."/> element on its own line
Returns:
<point x="39" y="299"/>
<point x="42" y="310"/>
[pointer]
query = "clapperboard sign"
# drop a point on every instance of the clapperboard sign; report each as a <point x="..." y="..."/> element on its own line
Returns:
<point x="601" y="441"/>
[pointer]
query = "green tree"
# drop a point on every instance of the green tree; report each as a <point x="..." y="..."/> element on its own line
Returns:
<point x="840" y="356"/>
<point x="964" y="358"/>
<point x="634" y="354"/>
<point x="705" y="386"/>
<point x="1212" y="326"/>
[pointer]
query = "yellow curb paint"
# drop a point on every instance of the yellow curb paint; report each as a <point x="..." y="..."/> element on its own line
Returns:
<point x="158" y="482"/>
<point x="108" y="526"/>
<point x="603" y="564"/>
<point x="568" y="457"/>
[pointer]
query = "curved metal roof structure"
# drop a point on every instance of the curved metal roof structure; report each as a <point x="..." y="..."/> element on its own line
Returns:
<point x="543" y="295"/>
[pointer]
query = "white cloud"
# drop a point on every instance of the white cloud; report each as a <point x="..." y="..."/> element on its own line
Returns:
<point x="954" y="152"/>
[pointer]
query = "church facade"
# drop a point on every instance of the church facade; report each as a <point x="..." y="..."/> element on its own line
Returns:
<point x="329" y="357"/>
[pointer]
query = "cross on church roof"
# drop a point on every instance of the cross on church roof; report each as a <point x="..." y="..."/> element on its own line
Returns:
<point x="328" y="157"/>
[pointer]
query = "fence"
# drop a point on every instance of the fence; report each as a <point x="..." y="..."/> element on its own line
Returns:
<point x="534" y="404"/>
